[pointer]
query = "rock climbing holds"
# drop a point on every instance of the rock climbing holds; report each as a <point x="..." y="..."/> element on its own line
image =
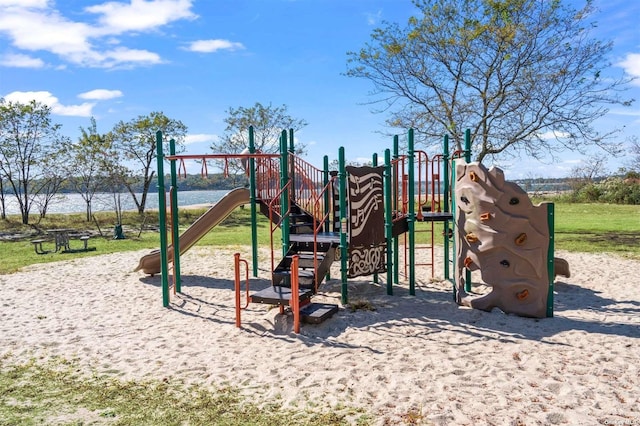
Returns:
<point x="471" y="237"/>
<point x="505" y="263"/>
<point x="514" y="201"/>
<point x="464" y="199"/>
<point x="473" y="176"/>
<point x="521" y="295"/>
<point x="485" y="217"/>
<point x="468" y="262"/>
<point x="520" y="239"/>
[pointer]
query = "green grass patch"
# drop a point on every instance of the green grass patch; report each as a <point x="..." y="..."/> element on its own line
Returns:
<point x="56" y="393"/>
<point x="233" y="231"/>
<point x="590" y="228"/>
<point x="597" y="228"/>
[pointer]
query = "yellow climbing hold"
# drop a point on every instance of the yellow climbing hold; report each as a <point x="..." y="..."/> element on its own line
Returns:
<point x="473" y="176"/>
<point x="471" y="237"/>
<point x="520" y="239"/>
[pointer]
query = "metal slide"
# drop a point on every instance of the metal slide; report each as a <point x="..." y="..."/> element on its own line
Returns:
<point x="150" y="263"/>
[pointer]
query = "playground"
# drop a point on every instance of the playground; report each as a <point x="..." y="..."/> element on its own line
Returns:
<point x="357" y="216"/>
<point x="394" y="352"/>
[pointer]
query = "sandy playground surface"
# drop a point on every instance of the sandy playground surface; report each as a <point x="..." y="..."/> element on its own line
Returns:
<point x="421" y="354"/>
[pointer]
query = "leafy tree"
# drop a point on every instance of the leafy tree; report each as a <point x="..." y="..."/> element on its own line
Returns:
<point x="28" y="142"/>
<point x="633" y="157"/>
<point x="524" y="75"/>
<point x="135" y="146"/>
<point x="268" y="123"/>
<point x="89" y="164"/>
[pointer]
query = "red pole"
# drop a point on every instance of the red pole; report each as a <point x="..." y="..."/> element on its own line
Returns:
<point x="295" y="297"/>
<point x="237" y="287"/>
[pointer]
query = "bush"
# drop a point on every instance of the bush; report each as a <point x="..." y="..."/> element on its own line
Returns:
<point x="613" y="190"/>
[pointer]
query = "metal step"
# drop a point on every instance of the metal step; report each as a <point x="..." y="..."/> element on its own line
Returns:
<point x="278" y="295"/>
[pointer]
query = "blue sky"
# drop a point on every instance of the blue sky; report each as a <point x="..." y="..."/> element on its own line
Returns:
<point x="193" y="59"/>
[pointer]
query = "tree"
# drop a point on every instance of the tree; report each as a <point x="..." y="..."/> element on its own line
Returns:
<point x="268" y="123"/>
<point x="87" y="165"/>
<point x="524" y="75"/>
<point x="633" y="157"/>
<point x="28" y="140"/>
<point x="135" y="144"/>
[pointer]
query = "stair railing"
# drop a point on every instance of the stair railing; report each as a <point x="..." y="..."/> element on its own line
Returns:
<point x="321" y="216"/>
<point x="275" y="205"/>
<point x="309" y="180"/>
<point x="267" y="178"/>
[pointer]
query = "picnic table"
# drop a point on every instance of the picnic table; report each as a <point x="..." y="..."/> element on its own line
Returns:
<point x="61" y="239"/>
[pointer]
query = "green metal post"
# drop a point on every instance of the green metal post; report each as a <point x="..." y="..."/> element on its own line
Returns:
<point x="448" y="228"/>
<point x="467" y="145"/>
<point x="162" y="217"/>
<point x="396" y="243"/>
<point x="292" y="169"/>
<point x="411" y="217"/>
<point x="342" y="178"/>
<point x="327" y="202"/>
<point x="284" y="198"/>
<point x="467" y="159"/>
<point x="388" y="224"/>
<point x="550" y="257"/>
<point x="253" y="205"/>
<point x="175" y="223"/>
<point x="374" y="162"/>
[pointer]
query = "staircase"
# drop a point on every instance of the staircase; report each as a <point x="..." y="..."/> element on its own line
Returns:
<point x="314" y="245"/>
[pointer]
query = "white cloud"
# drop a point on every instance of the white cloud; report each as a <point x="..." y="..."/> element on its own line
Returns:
<point x="209" y="46"/>
<point x="100" y="94"/>
<point x="35" y="26"/>
<point x="21" y="61"/>
<point x="24" y="3"/>
<point x="200" y="138"/>
<point x="47" y="98"/>
<point x="631" y="65"/>
<point x="374" y="18"/>
<point x="553" y="134"/>
<point x="140" y="15"/>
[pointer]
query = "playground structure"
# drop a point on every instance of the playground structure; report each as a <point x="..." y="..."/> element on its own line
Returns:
<point x="355" y="215"/>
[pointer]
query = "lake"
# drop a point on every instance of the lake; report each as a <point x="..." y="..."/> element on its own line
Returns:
<point x="73" y="203"/>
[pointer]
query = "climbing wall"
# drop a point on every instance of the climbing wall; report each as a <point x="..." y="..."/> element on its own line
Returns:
<point x="504" y="236"/>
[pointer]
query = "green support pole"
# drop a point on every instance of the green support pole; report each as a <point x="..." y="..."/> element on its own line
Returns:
<point x="550" y="257"/>
<point x="467" y="159"/>
<point x="448" y="225"/>
<point x="374" y="162"/>
<point x="162" y="217"/>
<point x="467" y="145"/>
<point x="327" y="202"/>
<point x="342" y="178"/>
<point x="411" y="217"/>
<point x="292" y="169"/>
<point x="175" y="223"/>
<point x="396" y="245"/>
<point x="284" y="197"/>
<point x="388" y="224"/>
<point x="252" y="198"/>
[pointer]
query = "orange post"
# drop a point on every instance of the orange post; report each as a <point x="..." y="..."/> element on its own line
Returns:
<point x="237" y="262"/>
<point x="295" y="297"/>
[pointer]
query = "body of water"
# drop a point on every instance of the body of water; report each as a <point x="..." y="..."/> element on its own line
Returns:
<point x="73" y="203"/>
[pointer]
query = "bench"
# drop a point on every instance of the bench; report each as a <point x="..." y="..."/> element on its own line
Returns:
<point x="85" y="240"/>
<point x="37" y="245"/>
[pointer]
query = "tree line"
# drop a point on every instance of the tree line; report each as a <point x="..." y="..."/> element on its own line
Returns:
<point x="526" y="76"/>
<point x="37" y="161"/>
